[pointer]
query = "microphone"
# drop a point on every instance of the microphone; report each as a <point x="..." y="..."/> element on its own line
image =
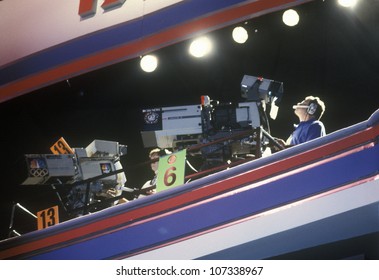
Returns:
<point x="300" y="106"/>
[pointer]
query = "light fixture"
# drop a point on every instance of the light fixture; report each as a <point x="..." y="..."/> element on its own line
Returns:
<point x="347" y="3"/>
<point x="240" y="34"/>
<point x="149" y="63"/>
<point x="290" y="17"/>
<point x="200" y="47"/>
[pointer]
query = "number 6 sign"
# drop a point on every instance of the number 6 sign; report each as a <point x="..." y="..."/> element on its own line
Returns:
<point x="171" y="170"/>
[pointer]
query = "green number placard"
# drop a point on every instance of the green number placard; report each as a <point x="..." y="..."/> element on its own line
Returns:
<point x="171" y="170"/>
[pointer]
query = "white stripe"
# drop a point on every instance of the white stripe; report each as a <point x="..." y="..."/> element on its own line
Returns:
<point x="32" y="26"/>
<point x="272" y="222"/>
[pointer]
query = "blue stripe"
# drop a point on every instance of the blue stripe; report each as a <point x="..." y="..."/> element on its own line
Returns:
<point x="107" y="39"/>
<point x="226" y="209"/>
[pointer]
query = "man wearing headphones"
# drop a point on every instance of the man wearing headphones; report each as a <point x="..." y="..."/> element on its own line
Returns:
<point x="154" y="156"/>
<point x="309" y="111"/>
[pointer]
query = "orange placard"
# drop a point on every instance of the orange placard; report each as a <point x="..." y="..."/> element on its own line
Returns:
<point x="48" y="217"/>
<point x="61" y="147"/>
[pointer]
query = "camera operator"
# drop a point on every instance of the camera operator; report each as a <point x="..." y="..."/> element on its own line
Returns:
<point x="309" y="111"/>
<point x="150" y="185"/>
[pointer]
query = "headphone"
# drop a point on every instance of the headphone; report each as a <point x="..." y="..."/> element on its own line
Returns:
<point x="312" y="108"/>
<point x="164" y="152"/>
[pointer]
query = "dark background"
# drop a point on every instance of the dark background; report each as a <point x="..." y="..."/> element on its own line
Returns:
<point x="332" y="53"/>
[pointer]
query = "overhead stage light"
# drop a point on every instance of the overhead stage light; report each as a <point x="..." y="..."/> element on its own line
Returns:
<point x="149" y="63"/>
<point x="200" y="47"/>
<point x="291" y="17"/>
<point x="240" y="35"/>
<point x="347" y="3"/>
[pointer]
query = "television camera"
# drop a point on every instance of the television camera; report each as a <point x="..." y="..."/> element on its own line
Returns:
<point x="220" y="131"/>
<point x="89" y="174"/>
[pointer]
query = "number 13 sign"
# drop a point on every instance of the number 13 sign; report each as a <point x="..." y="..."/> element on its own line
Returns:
<point x="47" y="217"/>
<point x="171" y="170"/>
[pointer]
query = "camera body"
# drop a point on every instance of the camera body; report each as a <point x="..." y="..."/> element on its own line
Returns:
<point x="183" y="126"/>
<point x="85" y="172"/>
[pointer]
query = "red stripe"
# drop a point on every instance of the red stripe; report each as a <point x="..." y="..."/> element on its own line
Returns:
<point x="198" y="194"/>
<point x="134" y="49"/>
